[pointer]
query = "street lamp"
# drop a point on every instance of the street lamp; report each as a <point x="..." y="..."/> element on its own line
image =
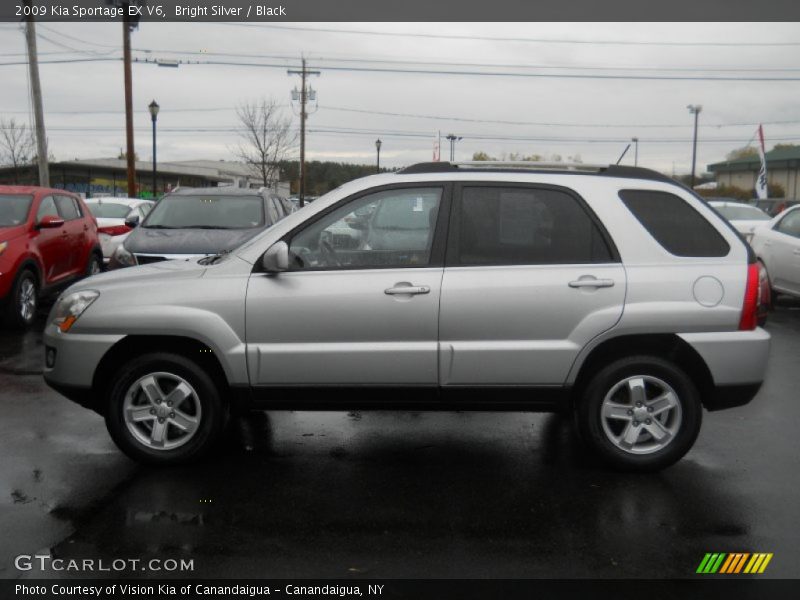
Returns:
<point x="378" y="144"/>
<point x="453" y="139"/>
<point x="635" y="151"/>
<point x="695" y="110"/>
<point x="154" y="108"/>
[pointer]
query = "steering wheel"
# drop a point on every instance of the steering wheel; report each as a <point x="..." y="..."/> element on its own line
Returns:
<point x="330" y="254"/>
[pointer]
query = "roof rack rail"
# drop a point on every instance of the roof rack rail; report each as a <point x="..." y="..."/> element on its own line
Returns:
<point x="530" y="165"/>
<point x="546" y="167"/>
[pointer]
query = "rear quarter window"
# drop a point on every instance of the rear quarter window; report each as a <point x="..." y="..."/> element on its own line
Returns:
<point x="674" y="224"/>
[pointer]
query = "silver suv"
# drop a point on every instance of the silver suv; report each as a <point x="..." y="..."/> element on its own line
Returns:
<point x="610" y="292"/>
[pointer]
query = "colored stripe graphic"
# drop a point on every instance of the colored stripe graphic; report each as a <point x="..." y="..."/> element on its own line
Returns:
<point x="711" y="562"/>
<point x="734" y="562"/>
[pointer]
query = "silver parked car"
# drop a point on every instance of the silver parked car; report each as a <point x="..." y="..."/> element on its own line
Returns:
<point x="611" y="292"/>
<point x="778" y="248"/>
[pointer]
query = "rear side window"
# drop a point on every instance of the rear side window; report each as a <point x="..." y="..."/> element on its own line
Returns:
<point x="67" y="208"/>
<point x="674" y="224"/>
<point x="526" y="226"/>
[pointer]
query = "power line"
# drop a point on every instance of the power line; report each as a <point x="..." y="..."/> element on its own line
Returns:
<point x="92" y="113"/>
<point x="511" y="39"/>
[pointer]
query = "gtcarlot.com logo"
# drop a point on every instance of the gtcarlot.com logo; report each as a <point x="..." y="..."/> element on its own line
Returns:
<point x="734" y="563"/>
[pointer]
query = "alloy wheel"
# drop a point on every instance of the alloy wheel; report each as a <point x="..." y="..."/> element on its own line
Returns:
<point x="162" y="411"/>
<point x="27" y="300"/>
<point x="641" y="414"/>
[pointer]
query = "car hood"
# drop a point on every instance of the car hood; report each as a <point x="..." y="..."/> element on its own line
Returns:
<point x="171" y="270"/>
<point x="187" y="241"/>
<point x="9" y="233"/>
<point x="748" y="226"/>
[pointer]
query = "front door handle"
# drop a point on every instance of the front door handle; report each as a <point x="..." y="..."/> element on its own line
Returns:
<point x="407" y="289"/>
<point x="594" y="283"/>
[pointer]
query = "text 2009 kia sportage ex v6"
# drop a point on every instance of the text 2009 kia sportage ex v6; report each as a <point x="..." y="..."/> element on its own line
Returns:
<point x="612" y="292"/>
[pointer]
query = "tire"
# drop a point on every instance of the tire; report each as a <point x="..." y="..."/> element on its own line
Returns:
<point x="619" y="431"/>
<point x="22" y="302"/>
<point x="94" y="265"/>
<point x="147" y="427"/>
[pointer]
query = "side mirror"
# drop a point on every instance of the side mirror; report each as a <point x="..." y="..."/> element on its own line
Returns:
<point x="276" y="259"/>
<point x="50" y="222"/>
<point x="132" y="221"/>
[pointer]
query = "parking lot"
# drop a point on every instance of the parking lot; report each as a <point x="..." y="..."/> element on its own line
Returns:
<point x="399" y="494"/>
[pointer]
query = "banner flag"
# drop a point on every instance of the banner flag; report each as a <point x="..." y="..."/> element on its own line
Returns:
<point x="761" y="181"/>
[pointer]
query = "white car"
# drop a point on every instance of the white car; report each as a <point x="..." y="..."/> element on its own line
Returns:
<point x="746" y="218"/>
<point x="777" y="246"/>
<point x="111" y="215"/>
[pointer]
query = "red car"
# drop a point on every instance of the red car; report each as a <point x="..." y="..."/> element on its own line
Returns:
<point x="48" y="238"/>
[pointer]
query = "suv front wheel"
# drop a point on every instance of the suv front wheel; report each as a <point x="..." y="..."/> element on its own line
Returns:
<point x="640" y="413"/>
<point x="164" y="409"/>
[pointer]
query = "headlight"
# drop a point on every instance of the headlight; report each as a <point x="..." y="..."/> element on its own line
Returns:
<point x="70" y="307"/>
<point x="3" y="246"/>
<point x="124" y="257"/>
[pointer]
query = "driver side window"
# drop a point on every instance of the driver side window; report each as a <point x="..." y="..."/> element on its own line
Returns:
<point x="393" y="228"/>
<point x="47" y="208"/>
<point x="790" y="224"/>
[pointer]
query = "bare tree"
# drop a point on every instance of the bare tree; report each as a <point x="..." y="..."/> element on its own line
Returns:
<point x="267" y="138"/>
<point x="17" y="146"/>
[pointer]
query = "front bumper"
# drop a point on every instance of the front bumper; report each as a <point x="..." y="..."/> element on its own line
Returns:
<point x="72" y="361"/>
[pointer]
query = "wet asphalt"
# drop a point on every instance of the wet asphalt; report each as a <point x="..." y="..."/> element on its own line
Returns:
<point x="399" y="494"/>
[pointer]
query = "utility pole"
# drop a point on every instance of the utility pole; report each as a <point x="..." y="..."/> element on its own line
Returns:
<point x="303" y="96"/>
<point x="695" y="110"/>
<point x="130" y="153"/>
<point x="36" y="93"/>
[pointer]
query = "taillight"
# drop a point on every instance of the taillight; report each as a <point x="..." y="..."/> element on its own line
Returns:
<point x="749" y="318"/>
<point x="114" y="230"/>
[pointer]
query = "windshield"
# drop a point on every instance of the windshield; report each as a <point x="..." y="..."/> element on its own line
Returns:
<point x="742" y="213"/>
<point x="109" y="210"/>
<point x="206" y="212"/>
<point x="14" y="209"/>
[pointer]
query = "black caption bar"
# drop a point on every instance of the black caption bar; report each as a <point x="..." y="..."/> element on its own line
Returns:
<point x="405" y="10"/>
<point x="437" y="589"/>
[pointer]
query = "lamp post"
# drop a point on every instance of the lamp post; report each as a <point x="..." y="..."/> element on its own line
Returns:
<point x="378" y="144"/>
<point x="635" y="151"/>
<point x="695" y="110"/>
<point x="453" y="139"/>
<point x="154" y="107"/>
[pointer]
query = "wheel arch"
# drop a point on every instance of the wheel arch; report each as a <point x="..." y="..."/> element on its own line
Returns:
<point x="668" y="346"/>
<point x="136" y="345"/>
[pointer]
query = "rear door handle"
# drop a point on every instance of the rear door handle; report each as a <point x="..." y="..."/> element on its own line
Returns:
<point x="407" y="289"/>
<point x="595" y="283"/>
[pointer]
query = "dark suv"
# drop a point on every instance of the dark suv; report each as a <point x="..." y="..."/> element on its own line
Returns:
<point x="196" y="222"/>
<point x="47" y="238"/>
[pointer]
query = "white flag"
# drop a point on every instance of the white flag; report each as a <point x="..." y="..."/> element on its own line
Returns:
<point x="761" y="181"/>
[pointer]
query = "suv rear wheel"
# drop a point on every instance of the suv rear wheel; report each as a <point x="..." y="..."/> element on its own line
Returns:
<point x="164" y="409"/>
<point x="640" y="413"/>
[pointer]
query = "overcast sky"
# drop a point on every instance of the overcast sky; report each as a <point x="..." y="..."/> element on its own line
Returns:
<point x="590" y="118"/>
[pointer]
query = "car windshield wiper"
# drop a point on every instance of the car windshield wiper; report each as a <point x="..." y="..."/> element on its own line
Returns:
<point x="159" y="227"/>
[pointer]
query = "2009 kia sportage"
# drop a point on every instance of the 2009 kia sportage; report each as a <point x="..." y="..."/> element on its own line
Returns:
<point x="612" y="292"/>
